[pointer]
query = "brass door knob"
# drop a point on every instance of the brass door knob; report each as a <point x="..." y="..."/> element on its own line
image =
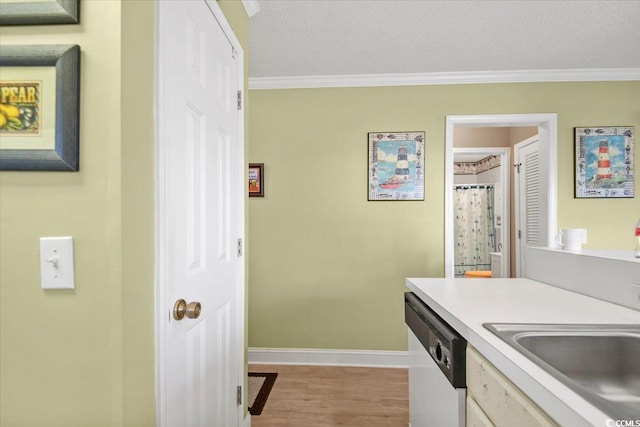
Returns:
<point x="191" y="310"/>
<point x="179" y="309"/>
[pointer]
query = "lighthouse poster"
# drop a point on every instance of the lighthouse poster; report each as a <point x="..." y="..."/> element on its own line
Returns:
<point x="396" y="166"/>
<point x="604" y="162"/>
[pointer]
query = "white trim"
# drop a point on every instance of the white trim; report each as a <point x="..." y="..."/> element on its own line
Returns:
<point x="160" y="235"/>
<point x="247" y="420"/>
<point x="548" y="136"/>
<point x="251" y="6"/>
<point x="299" y="356"/>
<point x="465" y="77"/>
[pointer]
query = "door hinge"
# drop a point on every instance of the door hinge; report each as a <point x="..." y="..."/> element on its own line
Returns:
<point x="239" y="100"/>
<point x="239" y="247"/>
<point x="239" y="395"/>
<point x="517" y="166"/>
<point x="519" y="234"/>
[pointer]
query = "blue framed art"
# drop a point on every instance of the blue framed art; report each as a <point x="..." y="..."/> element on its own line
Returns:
<point x="604" y="162"/>
<point x="396" y="165"/>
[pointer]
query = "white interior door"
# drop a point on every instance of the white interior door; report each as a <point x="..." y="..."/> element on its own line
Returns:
<point x="199" y="217"/>
<point x="531" y="199"/>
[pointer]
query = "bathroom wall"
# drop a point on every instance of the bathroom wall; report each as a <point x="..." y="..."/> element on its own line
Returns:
<point x="481" y="137"/>
<point x="491" y="176"/>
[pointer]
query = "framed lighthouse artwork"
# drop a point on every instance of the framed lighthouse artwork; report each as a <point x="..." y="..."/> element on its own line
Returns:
<point x="396" y="166"/>
<point x="604" y="162"/>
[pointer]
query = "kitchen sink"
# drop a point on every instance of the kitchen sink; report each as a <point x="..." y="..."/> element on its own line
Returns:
<point x="599" y="362"/>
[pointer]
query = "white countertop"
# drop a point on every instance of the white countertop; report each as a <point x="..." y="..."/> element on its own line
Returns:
<point x="468" y="303"/>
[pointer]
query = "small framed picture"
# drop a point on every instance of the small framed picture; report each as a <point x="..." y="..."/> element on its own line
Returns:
<point x="604" y="162"/>
<point x="256" y="179"/>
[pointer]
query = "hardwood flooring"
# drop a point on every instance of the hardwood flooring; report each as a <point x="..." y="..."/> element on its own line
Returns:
<point x="325" y="396"/>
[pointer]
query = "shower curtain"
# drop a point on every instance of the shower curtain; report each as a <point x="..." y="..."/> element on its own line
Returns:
<point x="474" y="228"/>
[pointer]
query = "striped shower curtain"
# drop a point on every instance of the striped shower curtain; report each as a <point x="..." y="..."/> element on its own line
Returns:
<point x="474" y="228"/>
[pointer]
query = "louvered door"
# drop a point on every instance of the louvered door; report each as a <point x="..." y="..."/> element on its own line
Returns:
<point x="531" y="201"/>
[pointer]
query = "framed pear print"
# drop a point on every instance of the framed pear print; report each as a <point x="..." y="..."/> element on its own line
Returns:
<point x="40" y="108"/>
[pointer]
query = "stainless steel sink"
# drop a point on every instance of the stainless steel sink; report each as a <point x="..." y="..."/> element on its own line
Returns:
<point x="599" y="362"/>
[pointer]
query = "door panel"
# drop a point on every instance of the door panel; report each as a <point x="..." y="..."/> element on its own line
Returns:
<point x="224" y="191"/>
<point x="224" y="380"/>
<point x="196" y="365"/>
<point x="199" y="198"/>
<point x="196" y="187"/>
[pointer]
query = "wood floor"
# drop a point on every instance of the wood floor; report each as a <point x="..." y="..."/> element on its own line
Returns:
<point x="325" y="396"/>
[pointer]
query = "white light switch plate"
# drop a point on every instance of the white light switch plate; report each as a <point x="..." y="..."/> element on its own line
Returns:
<point x="56" y="263"/>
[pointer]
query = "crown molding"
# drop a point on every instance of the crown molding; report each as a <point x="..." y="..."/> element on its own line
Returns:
<point x="417" y="79"/>
<point x="251" y="6"/>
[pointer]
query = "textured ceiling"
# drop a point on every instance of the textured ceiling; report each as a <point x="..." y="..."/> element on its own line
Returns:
<point x="346" y="37"/>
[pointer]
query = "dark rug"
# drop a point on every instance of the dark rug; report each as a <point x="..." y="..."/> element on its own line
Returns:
<point x="260" y="385"/>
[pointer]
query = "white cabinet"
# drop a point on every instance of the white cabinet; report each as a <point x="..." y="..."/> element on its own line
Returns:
<point x="493" y="400"/>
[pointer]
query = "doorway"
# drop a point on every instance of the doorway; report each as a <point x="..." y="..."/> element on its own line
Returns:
<point x="481" y="176"/>
<point x="547" y="136"/>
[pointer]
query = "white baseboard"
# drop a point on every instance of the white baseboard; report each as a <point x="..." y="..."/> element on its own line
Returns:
<point x="303" y="356"/>
<point x="247" y="420"/>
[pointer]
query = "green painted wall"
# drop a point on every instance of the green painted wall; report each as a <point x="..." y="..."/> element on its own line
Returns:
<point x="327" y="267"/>
<point x="137" y="228"/>
<point x="86" y="357"/>
<point x="62" y="350"/>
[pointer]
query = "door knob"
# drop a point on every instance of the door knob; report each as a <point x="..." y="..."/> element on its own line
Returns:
<point x="191" y="310"/>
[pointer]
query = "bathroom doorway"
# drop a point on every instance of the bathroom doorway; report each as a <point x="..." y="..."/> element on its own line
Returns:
<point x="546" y="125"/>
<point x="481" y="211"/>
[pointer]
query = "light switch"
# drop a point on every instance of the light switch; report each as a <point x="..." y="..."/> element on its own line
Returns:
<point x="56" y="263"/>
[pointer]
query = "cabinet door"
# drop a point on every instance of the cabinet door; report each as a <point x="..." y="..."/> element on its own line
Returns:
<point x="476" y="416"/>
<point x="504" y="403"/>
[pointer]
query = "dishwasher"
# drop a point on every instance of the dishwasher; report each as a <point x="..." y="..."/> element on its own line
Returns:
<point x="437" y="368"/>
